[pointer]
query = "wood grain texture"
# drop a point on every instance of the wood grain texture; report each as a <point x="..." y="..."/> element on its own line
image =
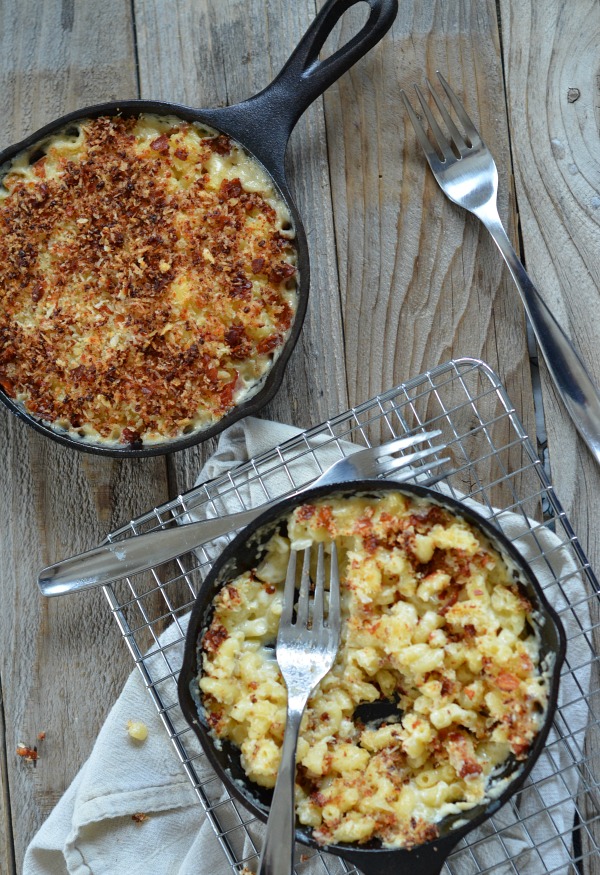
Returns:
<point x="421" y="280"/>
<point x="553" y="96"/>
<point x="234" y="50"/>
<point x="551" y="57"/>
<point x="401" y="280"/>
<point x="62" y="663"/>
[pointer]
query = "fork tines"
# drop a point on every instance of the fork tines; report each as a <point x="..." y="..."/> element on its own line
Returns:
<point x="462" y="144"/>
<point x="317" y="619"/>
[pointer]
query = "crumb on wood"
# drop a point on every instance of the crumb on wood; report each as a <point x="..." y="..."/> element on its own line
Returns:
<point x="140" y="817"/>
<point x="28" y="754"/>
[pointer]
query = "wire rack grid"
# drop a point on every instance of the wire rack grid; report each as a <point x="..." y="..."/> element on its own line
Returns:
<point x="553" y="825"/>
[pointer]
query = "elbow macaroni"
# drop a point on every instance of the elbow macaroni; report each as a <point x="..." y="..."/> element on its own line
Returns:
<point x="147" y="278"/>
<point x="434" y="622"/>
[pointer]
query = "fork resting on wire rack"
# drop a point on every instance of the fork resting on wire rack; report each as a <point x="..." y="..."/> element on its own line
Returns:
<point x="305" y="651"/>
<point x="467" y="174"/>
<point x="112" y="561"/>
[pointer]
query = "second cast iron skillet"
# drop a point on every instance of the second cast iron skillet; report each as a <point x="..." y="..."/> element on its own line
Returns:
<point x="371" y="858"/>
<point x="262" y="125"/>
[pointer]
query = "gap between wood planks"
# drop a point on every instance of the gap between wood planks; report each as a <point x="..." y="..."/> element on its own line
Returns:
<point x="6" y="825"/>
<point x="532" y="348"/>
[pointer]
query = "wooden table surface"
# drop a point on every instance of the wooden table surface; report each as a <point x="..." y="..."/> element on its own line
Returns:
<point x="401" y="280"/>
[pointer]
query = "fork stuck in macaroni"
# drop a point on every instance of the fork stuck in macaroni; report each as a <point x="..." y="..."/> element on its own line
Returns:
<point x="434" y="622"/>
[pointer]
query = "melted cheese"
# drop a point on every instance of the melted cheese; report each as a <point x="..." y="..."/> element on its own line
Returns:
<point x="147" y="275"/>
<point x="433" y="620"/>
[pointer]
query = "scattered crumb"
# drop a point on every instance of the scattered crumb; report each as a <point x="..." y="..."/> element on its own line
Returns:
<point x="140" y="817"/>
<point x="41" y="736"/>
<point x="137" y="730"/>
<point x="29" y="754"/>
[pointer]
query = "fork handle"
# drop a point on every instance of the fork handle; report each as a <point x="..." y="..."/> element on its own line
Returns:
<point x="278" y="850"/>
<point x="577" y="390"/>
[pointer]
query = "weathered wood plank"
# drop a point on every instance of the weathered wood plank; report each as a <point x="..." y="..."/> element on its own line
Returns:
<point x="421" y="280"/>
<point x="62" y="663"/>
<point x="234" y="50"/>
<point x="401" y="280"/>
<point x="553" y="95"/>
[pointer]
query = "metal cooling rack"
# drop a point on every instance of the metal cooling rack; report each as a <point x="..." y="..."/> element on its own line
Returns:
<point x="553" y="825"/>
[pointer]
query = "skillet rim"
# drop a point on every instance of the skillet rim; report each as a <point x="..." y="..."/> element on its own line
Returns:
<point x="272" y="380"/>
<point x="431" y="853"/>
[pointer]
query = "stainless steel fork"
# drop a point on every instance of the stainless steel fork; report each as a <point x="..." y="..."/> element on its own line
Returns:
<point x="112" y="561"/>
<point x="306" y="650"/>
<point x="467" y="174"/>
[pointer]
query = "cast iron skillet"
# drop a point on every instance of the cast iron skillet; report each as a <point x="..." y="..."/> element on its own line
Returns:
<point x="370" y="858"/>
<point x="262" y="125"/>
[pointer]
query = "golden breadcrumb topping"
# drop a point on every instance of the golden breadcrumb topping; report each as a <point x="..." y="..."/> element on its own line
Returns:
<point x="439" y="644"/>
<point x="147" y="278"/>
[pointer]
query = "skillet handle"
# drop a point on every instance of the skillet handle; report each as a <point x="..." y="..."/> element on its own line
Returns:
<point x="264" y="122"/>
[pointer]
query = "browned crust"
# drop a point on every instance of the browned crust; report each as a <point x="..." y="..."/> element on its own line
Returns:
<point x="453" y="745"/>
<point x="111" y="230"/>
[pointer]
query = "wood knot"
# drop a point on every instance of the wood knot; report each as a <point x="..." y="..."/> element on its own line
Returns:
<point x="573" y="94"/>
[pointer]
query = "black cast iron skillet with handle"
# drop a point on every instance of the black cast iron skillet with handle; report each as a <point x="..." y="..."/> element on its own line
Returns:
<point x="372" y="858"/>
<point x="262" y="126"/>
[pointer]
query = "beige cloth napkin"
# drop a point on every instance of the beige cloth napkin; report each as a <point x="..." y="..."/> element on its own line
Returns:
<point x="92" y="831"/>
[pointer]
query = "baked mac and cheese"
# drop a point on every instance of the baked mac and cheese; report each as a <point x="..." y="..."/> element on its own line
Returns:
<point x="433" y="622"/>
<point x="147" y="278"/>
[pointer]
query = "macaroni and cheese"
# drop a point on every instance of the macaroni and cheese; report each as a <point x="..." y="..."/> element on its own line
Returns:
<point x="434" y="622"/>
<point x="147" y="279"/>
